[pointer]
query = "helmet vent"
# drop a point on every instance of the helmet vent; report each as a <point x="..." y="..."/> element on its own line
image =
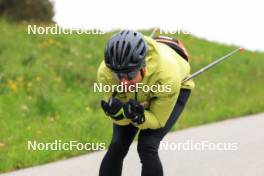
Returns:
<point x="112" y="51"/>
<point x="139" y="43"/>
<point x="123" y="45"/>
<point x="117" y="44"/>
<point x="143" y="51"/>
<point x="128" y="48"/>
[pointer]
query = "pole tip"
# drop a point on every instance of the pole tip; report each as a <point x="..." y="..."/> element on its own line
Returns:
<point x="241" y="49"/>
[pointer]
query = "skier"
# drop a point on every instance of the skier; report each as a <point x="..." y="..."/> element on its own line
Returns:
<point x="132" y="58"/>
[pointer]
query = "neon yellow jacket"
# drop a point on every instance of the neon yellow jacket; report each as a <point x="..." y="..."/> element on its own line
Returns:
<point x="164" y="67"/>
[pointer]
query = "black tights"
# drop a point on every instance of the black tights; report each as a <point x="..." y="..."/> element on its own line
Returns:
<point x="148" y="144"/>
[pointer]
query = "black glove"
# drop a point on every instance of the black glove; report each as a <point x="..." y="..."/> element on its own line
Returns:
<point x="112" y="108"/>
<point x="135" y="111"/>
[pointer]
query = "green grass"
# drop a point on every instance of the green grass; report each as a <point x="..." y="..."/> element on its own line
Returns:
<point x="46" y="91"/>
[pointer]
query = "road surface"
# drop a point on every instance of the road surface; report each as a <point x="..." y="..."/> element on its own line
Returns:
<point x="230" y="148"/>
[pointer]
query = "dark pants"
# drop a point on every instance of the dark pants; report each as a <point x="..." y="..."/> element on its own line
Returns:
<point x="148" y="144"/>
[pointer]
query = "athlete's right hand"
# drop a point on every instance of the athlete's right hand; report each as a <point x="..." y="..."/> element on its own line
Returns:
<point x="113" y="108"/>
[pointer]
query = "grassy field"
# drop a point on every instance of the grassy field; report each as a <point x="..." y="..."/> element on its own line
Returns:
<point x="46" y="91"/>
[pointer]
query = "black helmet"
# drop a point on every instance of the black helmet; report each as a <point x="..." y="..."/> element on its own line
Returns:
<point x="125" y="52"/>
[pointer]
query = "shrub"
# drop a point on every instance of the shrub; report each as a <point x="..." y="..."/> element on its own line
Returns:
<point x="27" y="10"/>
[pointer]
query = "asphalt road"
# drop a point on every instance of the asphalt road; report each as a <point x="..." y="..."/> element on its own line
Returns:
<point x="228" y="148"/>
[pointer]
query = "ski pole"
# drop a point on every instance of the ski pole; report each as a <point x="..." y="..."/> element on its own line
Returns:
<point x="217" y="61"/>
<point x="146" y="104"/>
<point x="154" y="32"/>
